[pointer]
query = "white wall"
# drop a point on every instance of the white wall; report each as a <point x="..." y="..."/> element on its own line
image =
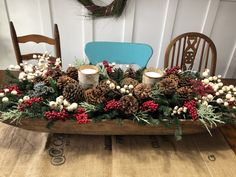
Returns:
<point x="154" y="22"/>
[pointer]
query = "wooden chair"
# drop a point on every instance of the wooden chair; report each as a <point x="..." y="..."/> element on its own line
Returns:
<point x="119" y="52"/>
<point x="191" y="51"/>
<point x="34" y="38"/>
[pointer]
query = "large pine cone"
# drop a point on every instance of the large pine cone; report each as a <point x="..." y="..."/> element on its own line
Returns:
<point x="64" y="80"/>
<point x="94" y="96"/>
<point x="167" y="86"/>
<point x="103" y="86"/>
<point x="184" y="92"/>
<point x="142" y="91"/>
<point x="183" y="82"/>
<point x="130" y="72"/>
<point x="73" y="92"/>
<point x="174" y="77"/>
<point x="72" y="72"/>
<point x="129" y="81"/>
<point x="52" y="73"/>
<point x="129" y="104"/>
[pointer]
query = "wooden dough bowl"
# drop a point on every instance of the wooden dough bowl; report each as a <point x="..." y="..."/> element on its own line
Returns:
<point x="107" y="127"/>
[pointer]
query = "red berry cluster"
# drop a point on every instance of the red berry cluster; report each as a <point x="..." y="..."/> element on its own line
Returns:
<point x="149" y="106"/>
<point x="173" y="70"/>
<point x="81" y="116"/>
<point x="200" y="89"/>
<point x="112" y="104"/>
<point x="107" y="66"/>
<point x="54" y="115"/>
<point x="191" y="106"/>
<point x="28" y="103"/>
<point x="11" y="88"/>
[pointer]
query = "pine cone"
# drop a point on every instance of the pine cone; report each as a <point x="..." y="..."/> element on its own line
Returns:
<point x="129" y="81"/>
<point x="174" y="77"/>
<point x="64" y="80"/>
<point x="184" y="92"/>
<point x="73" y="92"/>
<point x="167" y="85"/>
<point x="142" y="91"/>
<point x="183" y="82"/>
<point x="103" y="86"/>
<point x="72" y="72"/>
<point x="129" y="104"/>
<point x="53" y="73"/>
<point x="130" y="72"/>
<point x="94" y="96"/>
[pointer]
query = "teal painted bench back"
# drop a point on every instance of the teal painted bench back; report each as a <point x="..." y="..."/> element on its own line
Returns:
<point x="118" y="52"/>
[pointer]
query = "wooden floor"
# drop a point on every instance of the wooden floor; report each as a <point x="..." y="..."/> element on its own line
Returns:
<point x="23" y="154"/>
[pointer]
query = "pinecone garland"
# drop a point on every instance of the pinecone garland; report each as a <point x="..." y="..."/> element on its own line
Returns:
<point x="72" y="72"/>
<point x="130" y="72"/>
<point x="94" y="96"/>
<point x="64" y="80"/>
<point x="129" y="81"/>
<point x="142" y="91"/>
<point x="167" y="86"/>
<point x="129" y="104"/>
<point x="73" y="92"/>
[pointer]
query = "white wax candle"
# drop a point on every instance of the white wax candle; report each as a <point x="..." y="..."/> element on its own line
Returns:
<point x="153" y="74"/>
<point x="88" y="71"/>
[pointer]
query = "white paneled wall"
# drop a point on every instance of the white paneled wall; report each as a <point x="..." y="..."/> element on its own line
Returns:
<point x="155" y="22"/>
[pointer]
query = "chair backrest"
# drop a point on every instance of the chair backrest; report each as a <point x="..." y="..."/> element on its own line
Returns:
<point x="118" y="52"/>
<point x="34" y="38"/>
<point x="191" y="51"/>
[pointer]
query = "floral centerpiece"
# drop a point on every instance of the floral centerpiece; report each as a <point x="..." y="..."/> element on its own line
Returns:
<point x="45" y="91"/>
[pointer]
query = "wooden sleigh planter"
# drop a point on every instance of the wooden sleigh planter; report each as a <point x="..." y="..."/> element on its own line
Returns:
<point x="107" y="127"/>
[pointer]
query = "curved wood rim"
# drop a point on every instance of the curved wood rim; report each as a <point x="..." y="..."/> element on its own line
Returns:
<point x="107" y="127"/>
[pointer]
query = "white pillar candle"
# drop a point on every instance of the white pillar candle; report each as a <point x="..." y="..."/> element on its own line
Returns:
<point x="152" y="75"/>
<point x="88" y="76"/>
<point x="88" y="71"/>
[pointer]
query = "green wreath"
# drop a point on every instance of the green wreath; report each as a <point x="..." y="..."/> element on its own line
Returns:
<point x="114" y="9"/>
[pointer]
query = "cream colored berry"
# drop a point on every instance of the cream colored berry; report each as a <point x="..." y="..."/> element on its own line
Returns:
<point x="226" y="104"/>
<point x="131" y="86"/>
<point x="122" y="90"/>
<point x="228" y="96"/>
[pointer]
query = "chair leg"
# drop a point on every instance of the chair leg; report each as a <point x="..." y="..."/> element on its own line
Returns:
<point x="107" y="142"/>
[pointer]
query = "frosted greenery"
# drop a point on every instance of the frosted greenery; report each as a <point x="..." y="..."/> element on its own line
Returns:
<point x="208" y="117"/>
<point x="13" y="115"/>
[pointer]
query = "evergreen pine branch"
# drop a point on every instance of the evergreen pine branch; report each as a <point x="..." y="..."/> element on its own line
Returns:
<point x="142" y="117"/>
